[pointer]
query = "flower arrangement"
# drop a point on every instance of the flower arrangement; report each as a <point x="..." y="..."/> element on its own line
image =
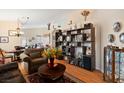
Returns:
<point x="52" y="52"/>
<point x="85" y="13"/>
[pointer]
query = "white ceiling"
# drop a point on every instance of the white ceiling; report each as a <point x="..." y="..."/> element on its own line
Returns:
<point x="37" y="17"/>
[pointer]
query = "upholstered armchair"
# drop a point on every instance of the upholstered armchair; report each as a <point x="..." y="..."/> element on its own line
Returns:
<point x="4" y="55"/>
<point x="34" y="59"/>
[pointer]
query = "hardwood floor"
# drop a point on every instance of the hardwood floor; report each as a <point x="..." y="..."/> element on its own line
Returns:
<point x="83" y="74"/>
<point x="80" y="73"/>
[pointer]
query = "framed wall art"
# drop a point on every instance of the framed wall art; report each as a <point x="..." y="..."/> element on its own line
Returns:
<point x="116" y="26"/>
<point x="4" y="39"/>
<point x="12" y="32"/>
<point x="121" y="37"/>
<point x="111" y="38"/>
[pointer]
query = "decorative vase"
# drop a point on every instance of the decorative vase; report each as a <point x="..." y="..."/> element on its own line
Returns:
<point x="51" y="64"/>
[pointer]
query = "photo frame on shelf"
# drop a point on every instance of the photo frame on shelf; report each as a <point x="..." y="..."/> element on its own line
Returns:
<point x="12" y="32"/>
<point x="4" y="39"/>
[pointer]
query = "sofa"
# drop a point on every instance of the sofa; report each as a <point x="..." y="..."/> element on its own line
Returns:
<point x="10" y="73"/>
<point x="34" y="59"/>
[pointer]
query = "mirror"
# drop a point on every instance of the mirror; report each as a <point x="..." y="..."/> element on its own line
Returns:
<point x="111" y="38"/>
<point x="121" y="37"/>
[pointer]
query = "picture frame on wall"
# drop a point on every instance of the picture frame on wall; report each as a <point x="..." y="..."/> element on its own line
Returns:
<point x="12" y="32"/>
<point x="4" y="39"/>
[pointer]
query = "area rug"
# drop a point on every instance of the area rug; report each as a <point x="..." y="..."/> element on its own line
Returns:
<point x="35" y="78"/>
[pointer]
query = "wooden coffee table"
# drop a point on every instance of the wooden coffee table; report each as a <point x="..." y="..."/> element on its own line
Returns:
<point x="51" y="73"/>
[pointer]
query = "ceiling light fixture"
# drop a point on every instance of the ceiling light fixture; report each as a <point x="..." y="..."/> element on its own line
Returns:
<point x="21" y="21"/>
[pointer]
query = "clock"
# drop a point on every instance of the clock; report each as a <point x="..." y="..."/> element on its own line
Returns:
<point x="116" y="27"/>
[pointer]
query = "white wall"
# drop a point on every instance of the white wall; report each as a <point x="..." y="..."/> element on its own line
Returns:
<point x="13" y="41"/>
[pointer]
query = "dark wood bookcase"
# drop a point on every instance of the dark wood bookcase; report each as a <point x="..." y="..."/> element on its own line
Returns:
<point x="71" y="40"/>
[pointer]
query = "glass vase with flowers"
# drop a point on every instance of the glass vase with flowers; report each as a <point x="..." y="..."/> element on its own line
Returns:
<point x="51" y="54"/>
